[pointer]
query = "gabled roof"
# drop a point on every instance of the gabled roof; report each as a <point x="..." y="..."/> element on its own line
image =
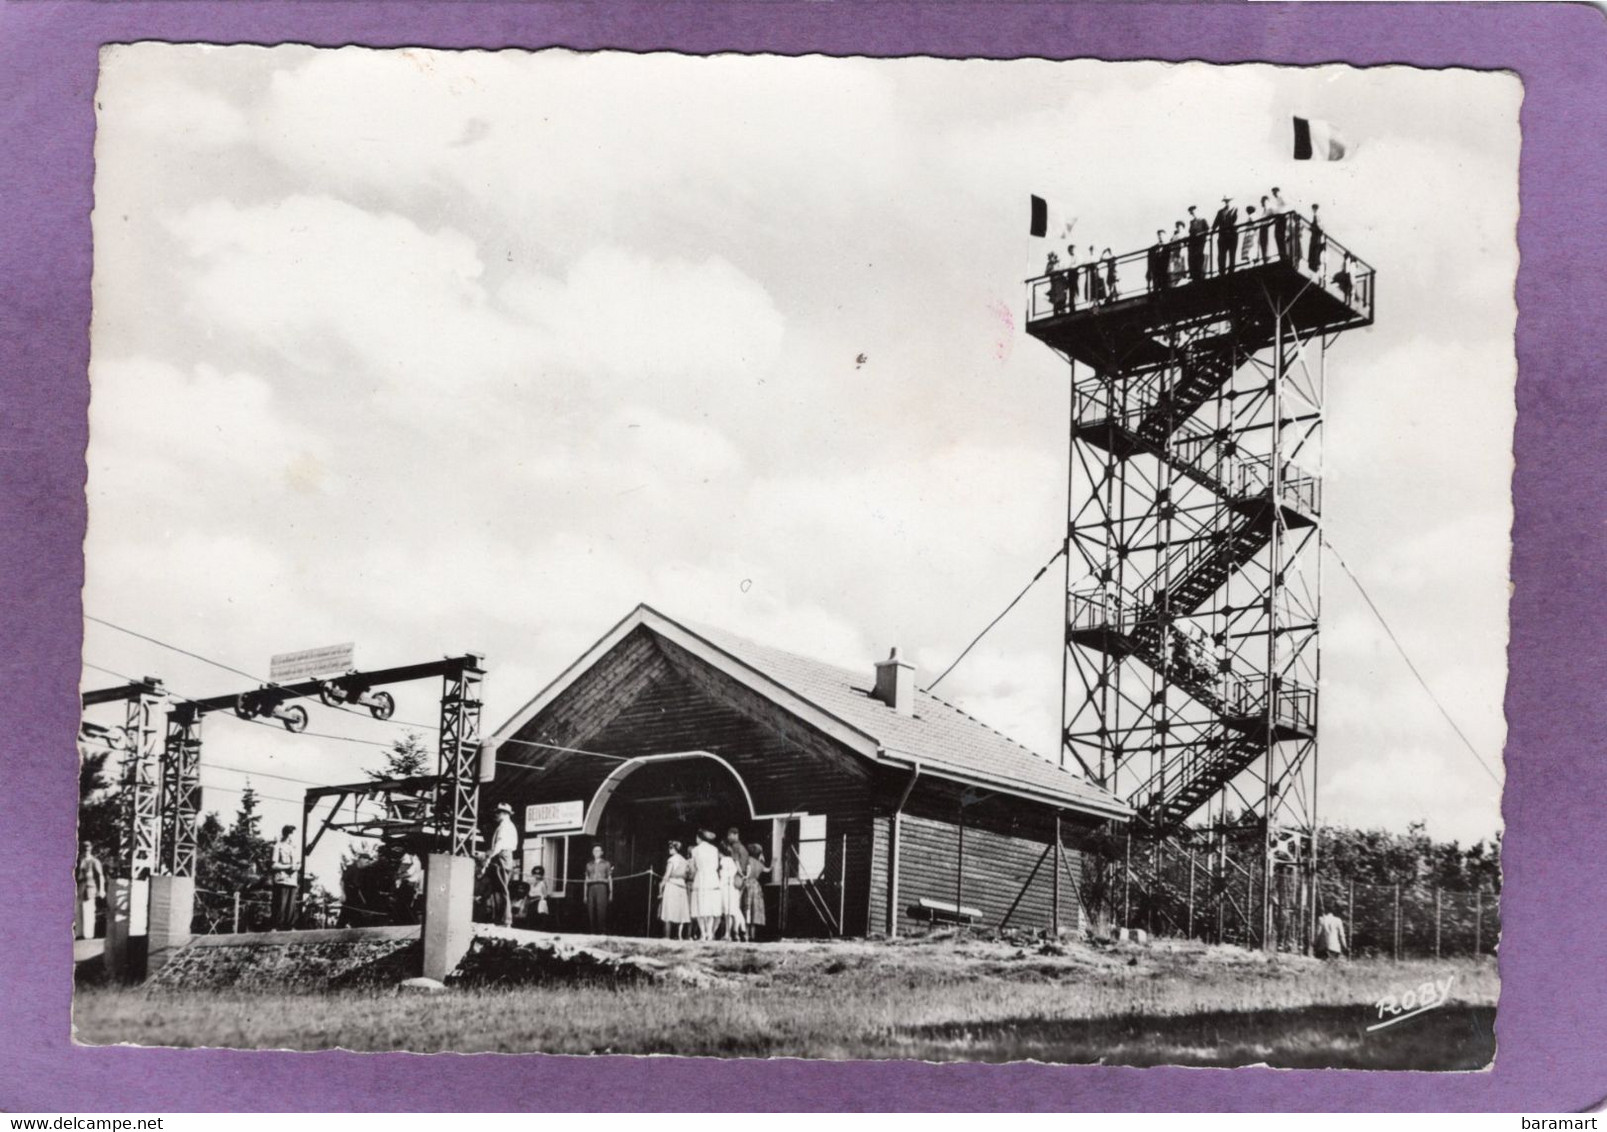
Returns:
<point x="945" y="741"/>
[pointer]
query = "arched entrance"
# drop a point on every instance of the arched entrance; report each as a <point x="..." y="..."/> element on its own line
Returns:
<point x="644" y="804"/>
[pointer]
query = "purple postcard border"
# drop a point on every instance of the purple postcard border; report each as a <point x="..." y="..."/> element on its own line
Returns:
<point x="1551" y="1027"/>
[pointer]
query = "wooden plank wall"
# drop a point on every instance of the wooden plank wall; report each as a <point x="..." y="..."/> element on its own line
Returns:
<point x="881" y="838"/>
<point x="996" y="866"/>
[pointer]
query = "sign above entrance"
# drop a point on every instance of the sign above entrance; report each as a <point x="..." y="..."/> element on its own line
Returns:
<point x="544" y="817"/>
<point x="303" y="665"/>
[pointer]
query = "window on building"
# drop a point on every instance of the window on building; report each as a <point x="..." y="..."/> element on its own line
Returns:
<point x="798" y="848"/>
<point x="552" y="854"/>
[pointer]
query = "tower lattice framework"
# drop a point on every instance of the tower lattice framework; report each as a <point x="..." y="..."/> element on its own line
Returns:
<point x="1193" y="597"/>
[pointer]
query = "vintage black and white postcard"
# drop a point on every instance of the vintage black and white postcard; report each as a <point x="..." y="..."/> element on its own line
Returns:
<point x="756" y="556"/>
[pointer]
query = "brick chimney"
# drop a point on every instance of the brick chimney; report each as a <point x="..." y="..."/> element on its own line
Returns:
<point x="895" y="684"/>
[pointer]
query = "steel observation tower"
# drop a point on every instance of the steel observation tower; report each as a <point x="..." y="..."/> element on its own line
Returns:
<point x="1193" y="584"/>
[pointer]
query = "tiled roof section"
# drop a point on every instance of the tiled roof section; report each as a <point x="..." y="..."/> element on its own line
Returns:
<point x="938" y="733"/>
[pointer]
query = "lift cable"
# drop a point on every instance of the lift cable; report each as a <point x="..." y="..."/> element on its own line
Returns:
<point x="221" y="789"/>
<point x="248" y="675"/>
<point x="232" y="769"/>
<point x="1402" y="650"/>
<point x="376" y="742"/>
<point x="175" y="648"/>
<point x="1041" y="571"/>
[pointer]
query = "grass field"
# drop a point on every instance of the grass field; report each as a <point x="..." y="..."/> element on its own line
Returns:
<point x="942" y="1000"/>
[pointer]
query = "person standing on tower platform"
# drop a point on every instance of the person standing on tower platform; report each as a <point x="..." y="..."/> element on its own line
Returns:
<point x="1280" y="223"/>
<point x="1318" y="244"/>
<point x="1096" y="285"/>
<point x="1198" y="229"/>
<point x="1342" y="277"/>
<point x="286" y="880"/>
<point x="1247" y="234"/>
<point x="91" y="883"/>
<point x="1109" y="263"/>
<point x="1057" y="284"/>
<point x="1155" y="275"/>
<point x="498" y="865"/>
<point x="1226" y="225"/>
<point x="1261" y="233"/>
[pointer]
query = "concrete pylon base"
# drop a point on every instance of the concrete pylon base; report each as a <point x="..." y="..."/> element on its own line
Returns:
<point x="172" y="910"/>
<point x="448" y="912"/>
<point x="127" y="912"/>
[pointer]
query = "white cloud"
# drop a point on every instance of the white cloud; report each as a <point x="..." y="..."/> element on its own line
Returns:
<point x="152" y="427"/>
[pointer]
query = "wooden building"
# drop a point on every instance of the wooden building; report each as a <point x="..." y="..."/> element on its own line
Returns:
<point x="879" y="806"/>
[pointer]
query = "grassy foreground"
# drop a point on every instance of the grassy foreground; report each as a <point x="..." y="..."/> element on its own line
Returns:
<point x="942" y="1000"/>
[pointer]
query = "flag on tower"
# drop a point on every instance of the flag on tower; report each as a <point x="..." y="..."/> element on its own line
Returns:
<point x="1046" y="222"/>
<point x="1315" y="138"/>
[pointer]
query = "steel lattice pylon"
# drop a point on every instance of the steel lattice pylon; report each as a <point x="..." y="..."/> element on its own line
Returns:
<point x="1193" y="596"/>
<point x="459" y="797"/>
<point x="181" y="791"/>
<point x="141" y="827"/>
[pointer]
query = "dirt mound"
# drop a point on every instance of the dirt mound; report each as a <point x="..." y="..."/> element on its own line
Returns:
<point x="331" y="965"/>
<point x="494" y="960"/>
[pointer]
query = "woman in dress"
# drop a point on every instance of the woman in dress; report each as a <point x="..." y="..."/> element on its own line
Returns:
<point x="753" y="889"/>
<point x="1247" y="236"/>
<point x="706" y="909"/>
<point x="1179" y="241"/>
<point x="736" y="924"/>
<point x="674" y="899"/>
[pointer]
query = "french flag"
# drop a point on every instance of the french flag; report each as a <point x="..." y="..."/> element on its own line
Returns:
<point x="1046" y="221"/>
<point x="1317" y="140"/>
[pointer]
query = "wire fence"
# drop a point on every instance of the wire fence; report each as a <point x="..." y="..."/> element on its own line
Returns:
<point x="1221" y="899"/>
<point x="1412" y="920"/>
<point x="251" y="910"/>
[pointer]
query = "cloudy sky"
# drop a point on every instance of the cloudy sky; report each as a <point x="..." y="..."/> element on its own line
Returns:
<point x="438" y="352"/>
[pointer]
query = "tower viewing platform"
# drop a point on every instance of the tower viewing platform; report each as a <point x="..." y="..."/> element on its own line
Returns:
<point x="1106" y="313"/>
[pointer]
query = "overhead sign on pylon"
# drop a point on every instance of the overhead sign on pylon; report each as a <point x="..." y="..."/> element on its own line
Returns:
<point x="307" y="663"/>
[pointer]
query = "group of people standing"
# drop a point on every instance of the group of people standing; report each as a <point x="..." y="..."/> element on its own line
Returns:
<point x="1094" y="282"/>
<point x="1268" y="231"/>
<point x="716" y="889"/>
<point x="1273" y="233"/>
